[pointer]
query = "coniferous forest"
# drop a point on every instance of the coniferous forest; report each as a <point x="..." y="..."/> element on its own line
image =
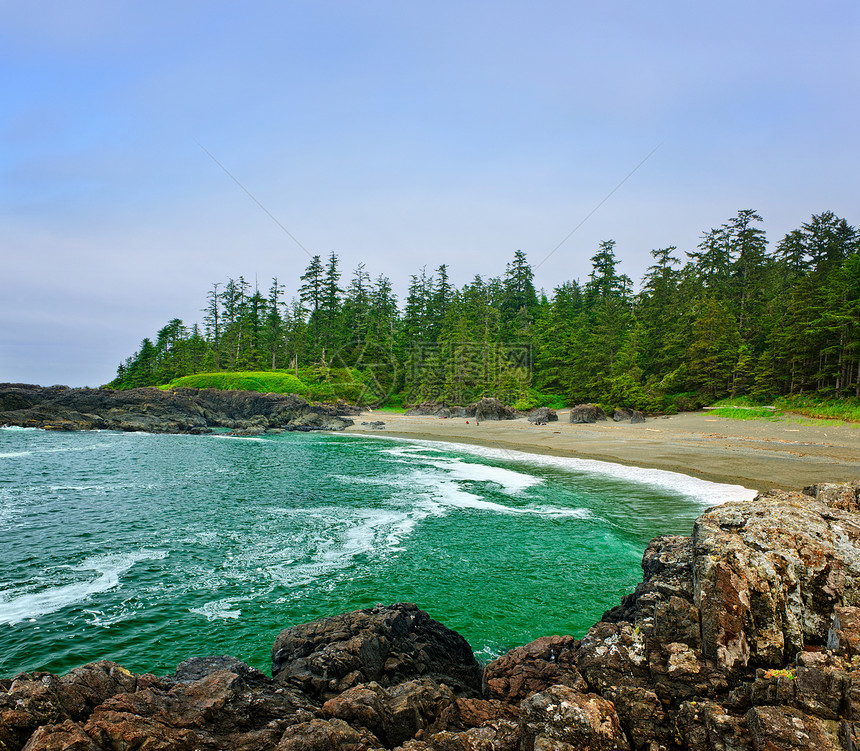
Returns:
<point x="737" y="316"/>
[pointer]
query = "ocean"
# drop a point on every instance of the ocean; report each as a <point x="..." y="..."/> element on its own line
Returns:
<point x="148" y="549"/>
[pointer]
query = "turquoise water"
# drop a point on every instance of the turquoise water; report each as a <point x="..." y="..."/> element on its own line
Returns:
<point x="149" y="549"/>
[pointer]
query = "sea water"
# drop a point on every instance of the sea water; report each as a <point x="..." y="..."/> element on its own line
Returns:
<point x="149" y="549"/>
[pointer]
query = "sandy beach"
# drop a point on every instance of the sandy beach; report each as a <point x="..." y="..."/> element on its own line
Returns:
<point x="760" y="454"/>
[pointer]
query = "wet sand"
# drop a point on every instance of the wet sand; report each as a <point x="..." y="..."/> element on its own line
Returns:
<point x="759" y="454"/>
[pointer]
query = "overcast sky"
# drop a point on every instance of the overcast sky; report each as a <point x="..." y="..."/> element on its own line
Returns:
<point x="400" y="134"/>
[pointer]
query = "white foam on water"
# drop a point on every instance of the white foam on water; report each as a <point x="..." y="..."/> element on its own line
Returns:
<point x="15" y="427"/>
<point x="510" y="481"/>
<point x="441" y="488"/>
<point x="702" y="491"/>
<point x="14" y="454"/>
<point x="110" y="568"/>
<point x="217" y="610"/>
<point x="334" y="543"/>
<point x="240" y="437"/>
<point x="409" y="450"/>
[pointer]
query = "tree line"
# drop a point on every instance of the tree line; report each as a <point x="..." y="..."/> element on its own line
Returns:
<point x="736" y="316"/>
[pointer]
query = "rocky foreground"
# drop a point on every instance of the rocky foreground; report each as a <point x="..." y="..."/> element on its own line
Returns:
<point x="745" y="635"/>
<point x="152" y="410"/>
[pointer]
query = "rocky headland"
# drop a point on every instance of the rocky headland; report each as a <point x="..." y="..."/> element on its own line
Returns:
<point x="745" y="635"/>
<point x="181" y="410"/>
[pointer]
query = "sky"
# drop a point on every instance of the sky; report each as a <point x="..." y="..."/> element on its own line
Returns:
<point x="150" y="149"/>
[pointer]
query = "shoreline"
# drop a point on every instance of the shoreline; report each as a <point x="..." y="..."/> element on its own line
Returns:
<point x="758" y="454"/>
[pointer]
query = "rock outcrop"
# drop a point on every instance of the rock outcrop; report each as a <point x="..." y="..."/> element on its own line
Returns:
<point x="586" y="413"/>
<point x="490" y="408"/>
<point x="543" y="415"/>
<point x="152" y="410"/>
<point x="386" y="644"/>
<point x="743" y="637"/>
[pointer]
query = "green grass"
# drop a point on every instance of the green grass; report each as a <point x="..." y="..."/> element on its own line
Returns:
<point x="790" y="407"/>
<point x="746" y="413"/>
<point x="847" y="409"/>
<point x="739" y="401"/>
<point x="327" y="385"/>
<point x="276" y="382"/>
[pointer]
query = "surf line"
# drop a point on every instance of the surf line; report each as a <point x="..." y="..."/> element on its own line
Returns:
<point x="703" y="491"/>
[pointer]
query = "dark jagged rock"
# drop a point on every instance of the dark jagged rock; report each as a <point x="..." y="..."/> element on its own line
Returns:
<point x="393" y="715"/>
<point x="523" y="671"/>
<point x="493" y="735"/>
<point x="562" y="718"/>
<point x="543" y="415"/>
<point x="152" y="410"/>
<point x="637" y="417"/>
<point x="316" y="421"/>
<point x="586" y="413"/>
<point x="197" y="668"/>
<point x="844" y="496"/>
<point x="768" y="574"/>
<point x="387" y="644"/>
<point x="235" y="708"/>
<point x="620" y="414"/>
<point x="35" y="699"/>
<point x="490" y="408"/>
<point x="327" y="735"/>
<point x="662" y="605"/>
<point x="473" y="713"/>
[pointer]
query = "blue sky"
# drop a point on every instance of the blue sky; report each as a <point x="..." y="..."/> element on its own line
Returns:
<point x="396" y="134"/>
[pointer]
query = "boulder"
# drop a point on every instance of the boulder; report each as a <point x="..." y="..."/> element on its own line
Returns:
<point x="496" y="735"/>
<point x="327" y="735"/>
<point x="784" y="728"/>
<point x="586" y="413"/>
<point x="844" y="496"/>
<point x="523" y="671"/>
<point x="612" y="655"/>
<point x="637" y="417"/>
<point x="490" y="408"/>
<point x="843" y="636"/>
<point x="393" y="715"/>
<point x="620" y="414"/>
<point x="316" y="421"/>
<point x="563" y="719"/>
<point x="543" y="415"/>
<point x="708" y="726"/>
<point x="34" y="699"/>
<point x="386" y="644"/>
<point x="233" y="708"/>
<point x="474" y="713"/>
<point x="768" y="574"/>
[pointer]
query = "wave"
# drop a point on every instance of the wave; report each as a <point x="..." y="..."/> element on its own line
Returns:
<point x="14" y="454"/>
<point x="510" y="481"/>
<point x="702" y="491"/>
<point x="35" y="604"/>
